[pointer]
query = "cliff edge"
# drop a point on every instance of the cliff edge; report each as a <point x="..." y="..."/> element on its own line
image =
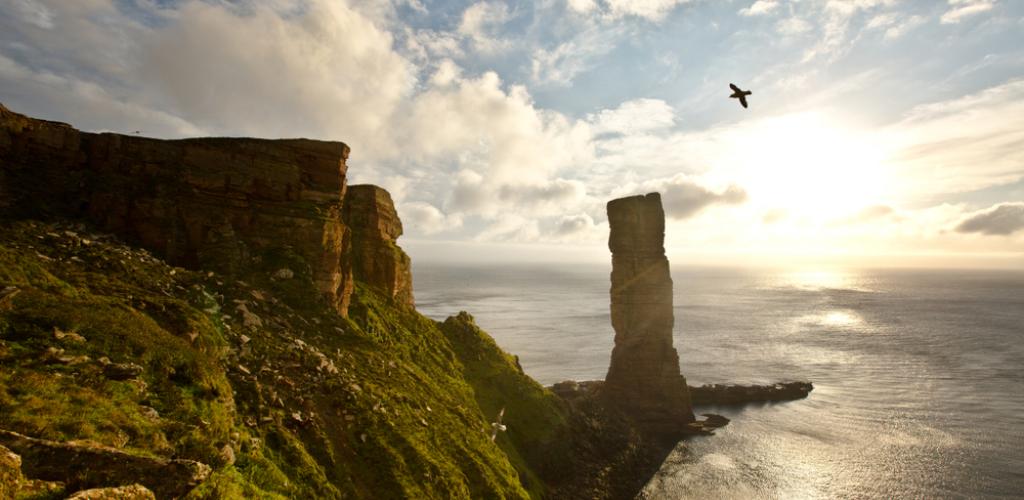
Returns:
<point x="231" y="308"/>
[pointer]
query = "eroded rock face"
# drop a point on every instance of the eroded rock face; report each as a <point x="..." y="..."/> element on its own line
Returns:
<point x="376" y="259"/>
<point x="643" y="378"/>
<point x="212" y="203"/>
<point x="83" y="465"/>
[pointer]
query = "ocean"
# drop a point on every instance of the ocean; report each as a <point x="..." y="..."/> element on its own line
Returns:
<point x="918" y="375"/>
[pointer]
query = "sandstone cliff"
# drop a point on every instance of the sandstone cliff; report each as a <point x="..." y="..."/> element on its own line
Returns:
<point x="230" y="360"/>
<point x="214" y="203"/>
<point x="643" y="378"/>
<point x="375" y="257"/>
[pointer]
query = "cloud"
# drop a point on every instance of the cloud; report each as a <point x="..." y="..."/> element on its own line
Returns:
<point x="774" y="215"/>
<point x="578" y="226"/>
<point x="1002" y="219"/>
<point x="556" y="192"/>
<point x="274" y="74"/>
<point x="651" y="10"/>
<point x="894" y="25"/>
<point x="558" y="66"/>
<point x="875" y="211"/>
<point x="792" y="26"/>
<point x="962" y="144"/>
<point x="760" y="8"/>
<point x="511" y="227"/>
<point x="683" y="197"/>
<point x="961" y="9"/>
<point x="635" y="116"/>
<point x="423" y="218"/>
<point x="480" y="23"/>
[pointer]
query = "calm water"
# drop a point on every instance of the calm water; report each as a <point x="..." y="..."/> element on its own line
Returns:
<point x="919" y="389"/>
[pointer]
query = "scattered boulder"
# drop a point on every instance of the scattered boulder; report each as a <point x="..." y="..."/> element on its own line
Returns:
<point x="68" y="336"/>
<point x="10" y="473"/>
<point x="121" y="371"/>
<point x="130" y="492"/>
<point x="714" y="420"/>
<point x="84" y="465"/>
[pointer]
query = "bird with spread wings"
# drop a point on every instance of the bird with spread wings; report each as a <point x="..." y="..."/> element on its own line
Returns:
<point x="739" y="94"/>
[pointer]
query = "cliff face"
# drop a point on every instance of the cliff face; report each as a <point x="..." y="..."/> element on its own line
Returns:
<point x="643" y="379"/>
<point x="229" y="360"/>
<point x="376" y="259"/>
<point x="215" y="203"/>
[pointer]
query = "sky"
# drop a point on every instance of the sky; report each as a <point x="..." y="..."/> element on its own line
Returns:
<point x="879" y="132"/>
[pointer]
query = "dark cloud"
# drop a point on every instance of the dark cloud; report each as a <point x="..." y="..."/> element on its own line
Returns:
<point x="684" y="198"/>
<point x="1002" y="219"/>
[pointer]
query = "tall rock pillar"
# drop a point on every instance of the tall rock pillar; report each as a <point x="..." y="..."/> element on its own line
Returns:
<point x="643" y="379"/>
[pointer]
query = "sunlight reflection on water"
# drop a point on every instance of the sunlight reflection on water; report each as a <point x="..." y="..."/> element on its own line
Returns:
<point x="917" y="380"/>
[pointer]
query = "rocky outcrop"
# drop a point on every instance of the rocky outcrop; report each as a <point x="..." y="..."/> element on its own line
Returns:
<point x="643" y="378"/>
<point x="722" y="394"/>
<point x="83" y="465"/>
<point x="376" y="259"/>
<point x="212" y="203"/>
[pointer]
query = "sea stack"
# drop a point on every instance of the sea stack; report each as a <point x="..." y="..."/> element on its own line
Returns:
<point x="643" y="379"/>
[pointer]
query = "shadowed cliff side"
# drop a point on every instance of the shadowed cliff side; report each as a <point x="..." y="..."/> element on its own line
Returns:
<point x="376" y="259"/>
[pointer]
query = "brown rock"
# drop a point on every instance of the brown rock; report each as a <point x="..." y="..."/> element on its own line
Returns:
<point x="10" y="473"/>
<point x="131" y="492"/>
<point x="83" y="465"/>
<point x="644" y="378"/>
<point x="376" y="259"/>
<point x="206" y="203"/>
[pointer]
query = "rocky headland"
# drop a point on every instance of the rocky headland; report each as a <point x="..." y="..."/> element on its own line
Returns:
<point x="227" y="318"/>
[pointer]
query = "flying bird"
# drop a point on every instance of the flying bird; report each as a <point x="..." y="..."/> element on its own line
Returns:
<point x="739" y="94"/>
<point x="498" y="426"/>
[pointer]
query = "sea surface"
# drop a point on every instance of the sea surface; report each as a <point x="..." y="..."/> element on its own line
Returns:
<point x="918" y="375"/>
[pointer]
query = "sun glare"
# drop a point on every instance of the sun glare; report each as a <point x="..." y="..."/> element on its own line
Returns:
<point x="811" y="168"/>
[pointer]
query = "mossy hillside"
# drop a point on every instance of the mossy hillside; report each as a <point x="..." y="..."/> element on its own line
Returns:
<point x="310" y="404"/>
<point x="536" y="419"/>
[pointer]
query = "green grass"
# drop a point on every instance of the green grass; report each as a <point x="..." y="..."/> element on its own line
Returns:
<point x="384" y="404"/>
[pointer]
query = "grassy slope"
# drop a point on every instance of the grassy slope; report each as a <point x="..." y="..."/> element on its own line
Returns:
<point x="386" y="404"/>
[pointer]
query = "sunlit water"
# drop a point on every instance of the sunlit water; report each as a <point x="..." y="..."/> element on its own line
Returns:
<point x="919" y="388"/>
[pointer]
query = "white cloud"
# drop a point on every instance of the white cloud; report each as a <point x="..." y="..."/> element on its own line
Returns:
<point x="961" y="9"/>
<point x="792" y="26"/>
<point x="560" y="65"/>
<point x="760" y="8"/>
<point x="423" y="218"/>
<point x="894" y="24"/>
<point x="480" y="23"/>
<point x="651" y="10"/>
<point x="264" y="73"/>
<point x="960" y="145"/>
<point x="635" y="116"/>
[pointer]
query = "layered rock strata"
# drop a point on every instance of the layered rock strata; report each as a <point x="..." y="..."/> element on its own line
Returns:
<point x="376" y="259"/>
<point x="643" y="379"/>
<point x="211" y="203"/>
